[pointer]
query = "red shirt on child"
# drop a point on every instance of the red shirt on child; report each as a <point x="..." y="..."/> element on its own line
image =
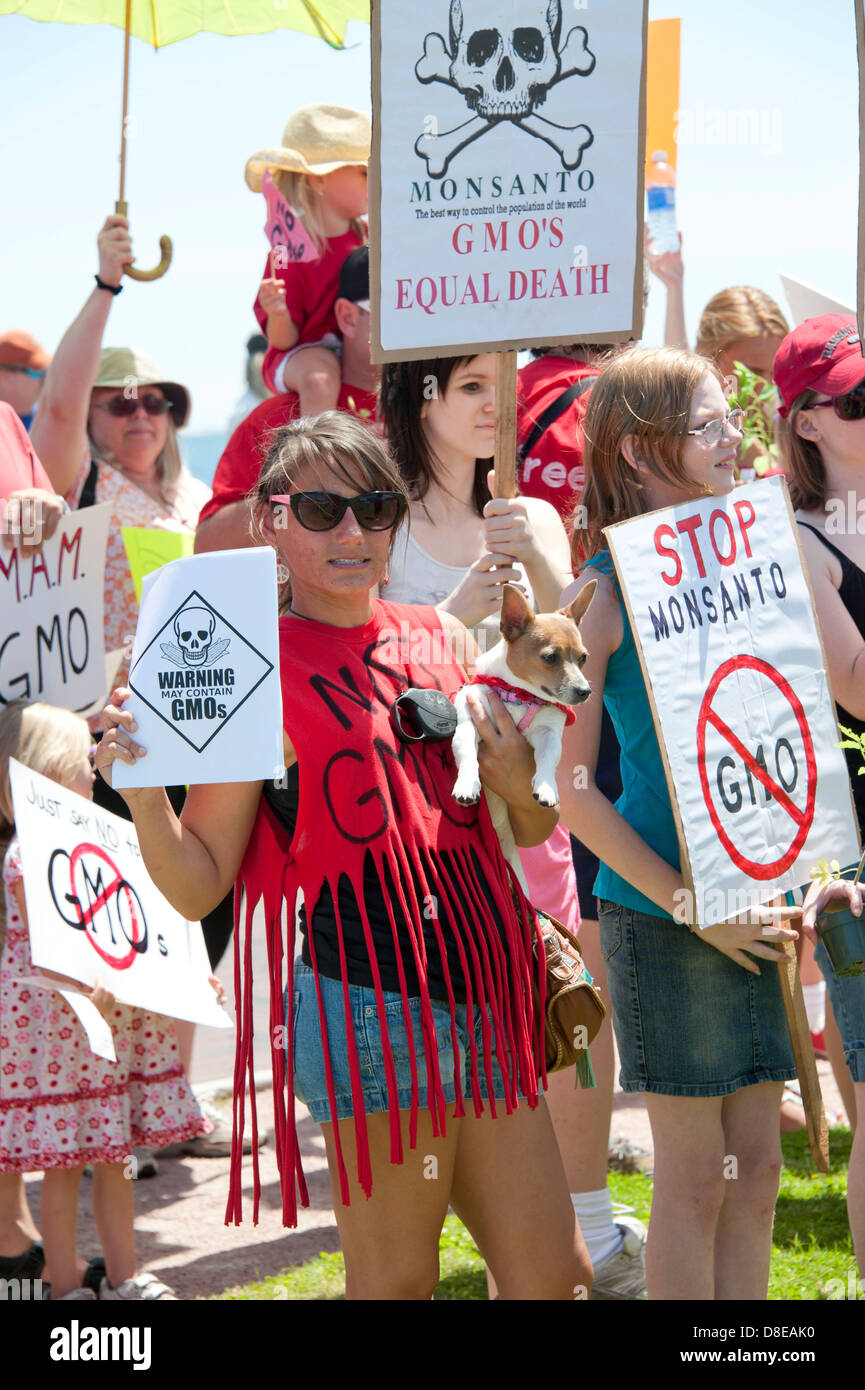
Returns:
<point x="238" y="468"/>
<point x="553" y="468"/>
<point x="310" y="294"/>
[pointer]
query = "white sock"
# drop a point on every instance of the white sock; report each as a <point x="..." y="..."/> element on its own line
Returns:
<point x="595" y="1215"/>
<point x="815" y="1005"/>
<point x="279" y="375"/>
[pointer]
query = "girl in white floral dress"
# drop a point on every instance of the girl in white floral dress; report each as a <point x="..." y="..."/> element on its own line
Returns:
<point x="61" y="1106"/>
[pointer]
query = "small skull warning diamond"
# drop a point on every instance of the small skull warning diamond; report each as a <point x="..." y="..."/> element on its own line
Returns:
<point x="197" y="671"/>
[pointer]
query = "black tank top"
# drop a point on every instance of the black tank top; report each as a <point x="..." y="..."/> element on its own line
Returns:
<point x="283" y="801"/>
<point x="852" y="594"/>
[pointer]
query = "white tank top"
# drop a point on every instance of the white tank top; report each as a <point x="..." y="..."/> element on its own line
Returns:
<point x="417" y="577"/>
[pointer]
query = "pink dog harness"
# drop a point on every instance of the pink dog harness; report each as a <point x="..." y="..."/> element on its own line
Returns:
<point x="514" y="695"/>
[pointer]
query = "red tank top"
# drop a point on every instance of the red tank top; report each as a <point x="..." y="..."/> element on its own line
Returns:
<point x="364" y="793"/>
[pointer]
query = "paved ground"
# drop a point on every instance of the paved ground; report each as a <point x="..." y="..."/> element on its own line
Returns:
<point x="180" y="1214"/>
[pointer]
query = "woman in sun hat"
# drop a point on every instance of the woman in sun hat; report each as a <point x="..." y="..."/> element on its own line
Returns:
<point x="106" y="431"/>
<point x="320" y="170"/>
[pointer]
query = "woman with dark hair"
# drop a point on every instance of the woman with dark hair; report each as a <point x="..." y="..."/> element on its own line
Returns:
<point x="410" y="1031"/>
<point x="464" y="544"/>
<point x="820" y="374"/>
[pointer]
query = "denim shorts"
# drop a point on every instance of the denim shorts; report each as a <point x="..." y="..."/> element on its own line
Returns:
<point x="847" y="997"/>
<point x="310" y="1085"/>
<point x="689" y="1021"/>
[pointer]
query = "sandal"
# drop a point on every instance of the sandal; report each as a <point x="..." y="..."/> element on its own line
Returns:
<point x="28" y="1265"/>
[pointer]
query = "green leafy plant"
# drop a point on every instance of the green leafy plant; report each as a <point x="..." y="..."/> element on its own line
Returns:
<point x="756" y="397"/>
<point x="824" y="871"/>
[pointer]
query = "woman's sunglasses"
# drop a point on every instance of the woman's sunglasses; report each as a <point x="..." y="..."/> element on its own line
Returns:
<point x="128" y="405"/>
<point x="322" y="511"/>
<point x="37" y="373"/>
<point x="848" y="407"/>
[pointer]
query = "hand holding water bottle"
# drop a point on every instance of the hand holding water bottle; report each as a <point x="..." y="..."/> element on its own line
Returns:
<point x="661" y="205"/>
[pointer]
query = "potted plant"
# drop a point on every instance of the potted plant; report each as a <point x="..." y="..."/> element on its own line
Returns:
<point x="840" y="930"/>
<point x="757" y="398"/>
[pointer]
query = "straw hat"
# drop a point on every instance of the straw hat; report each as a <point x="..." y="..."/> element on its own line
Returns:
<point x="123" y="366"/>
<point x="317" y="139"/>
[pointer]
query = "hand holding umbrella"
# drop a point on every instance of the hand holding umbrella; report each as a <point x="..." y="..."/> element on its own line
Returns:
<point x="161" y="22"/>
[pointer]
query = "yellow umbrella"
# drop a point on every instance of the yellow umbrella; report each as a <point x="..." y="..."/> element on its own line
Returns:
<point x="160" y="22"/>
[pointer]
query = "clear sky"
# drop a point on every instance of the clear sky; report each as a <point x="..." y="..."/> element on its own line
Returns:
<point x="749" y="207"/>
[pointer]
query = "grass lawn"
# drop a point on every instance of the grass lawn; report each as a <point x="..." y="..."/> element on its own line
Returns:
<point x="811" y="1243"/>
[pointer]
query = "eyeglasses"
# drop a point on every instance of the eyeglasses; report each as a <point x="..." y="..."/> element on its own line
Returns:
<point x="37" y="373"/>
<point x="848" y="407"/>
<point x="322" y="511"/>
<point x="712" y="431"/>
<point x="128" y="405"/>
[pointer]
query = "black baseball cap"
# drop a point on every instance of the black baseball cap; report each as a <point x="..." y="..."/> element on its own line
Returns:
<point x="354" y="278"/>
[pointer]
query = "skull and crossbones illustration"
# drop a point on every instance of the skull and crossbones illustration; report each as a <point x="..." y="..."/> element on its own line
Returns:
<point x="504" y="74"/>
<point x="194" y="628"/>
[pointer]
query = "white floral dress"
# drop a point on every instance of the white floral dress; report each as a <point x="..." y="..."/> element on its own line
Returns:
<point x="60" y="1104"/>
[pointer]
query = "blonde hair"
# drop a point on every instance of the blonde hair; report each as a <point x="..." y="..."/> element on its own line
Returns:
<point x="45" y="739"/>
<point x="738" y="312"/>
<point x="297" y="190"/>
<point x="646" y="393"/>
<point x="169" y="464"/>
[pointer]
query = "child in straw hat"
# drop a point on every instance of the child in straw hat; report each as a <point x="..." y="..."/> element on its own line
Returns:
<point x="321" y="172"/>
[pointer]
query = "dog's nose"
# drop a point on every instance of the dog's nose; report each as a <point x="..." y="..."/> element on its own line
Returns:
<point x="575" y="695"/>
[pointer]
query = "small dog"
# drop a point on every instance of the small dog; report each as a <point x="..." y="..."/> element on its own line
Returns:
<point x="535" y="669"/>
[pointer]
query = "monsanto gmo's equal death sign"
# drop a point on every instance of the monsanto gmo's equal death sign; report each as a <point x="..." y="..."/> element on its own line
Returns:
<point x="724" y="626"/>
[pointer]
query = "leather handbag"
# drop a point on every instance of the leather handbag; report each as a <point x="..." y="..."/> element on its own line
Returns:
<point x="573" y="1009"/>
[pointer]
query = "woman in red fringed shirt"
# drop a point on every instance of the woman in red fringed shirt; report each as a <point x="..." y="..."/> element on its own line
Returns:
<point x="409" y="1029"/>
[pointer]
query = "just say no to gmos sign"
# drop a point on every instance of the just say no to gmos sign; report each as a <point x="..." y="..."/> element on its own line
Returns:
<point x="724" y="626"/>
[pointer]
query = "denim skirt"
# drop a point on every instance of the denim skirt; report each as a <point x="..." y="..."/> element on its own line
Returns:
<point x="310" y="1077"/>
<point x="689" y="1021"/>
<point x="847" y="997"/>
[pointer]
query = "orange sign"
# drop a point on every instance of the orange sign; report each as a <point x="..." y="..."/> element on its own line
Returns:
<point x="662" y="86"/>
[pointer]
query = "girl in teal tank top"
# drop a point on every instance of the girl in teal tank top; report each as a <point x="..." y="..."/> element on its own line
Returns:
<point x="700" y="1029"/>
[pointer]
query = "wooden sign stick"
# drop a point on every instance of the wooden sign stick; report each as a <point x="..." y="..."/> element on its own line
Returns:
<point x="506" y="424"/>
<point x="803" y="1055"/>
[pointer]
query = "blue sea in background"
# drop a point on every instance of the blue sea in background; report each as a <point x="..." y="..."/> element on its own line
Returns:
<point x="201" y="453"/>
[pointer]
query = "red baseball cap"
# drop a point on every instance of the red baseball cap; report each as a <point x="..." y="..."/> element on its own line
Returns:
<point x="822" y="354"/>
<point x="18" y="349"/>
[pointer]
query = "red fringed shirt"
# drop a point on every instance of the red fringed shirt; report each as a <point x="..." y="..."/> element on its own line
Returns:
<point x="363" y="792"/>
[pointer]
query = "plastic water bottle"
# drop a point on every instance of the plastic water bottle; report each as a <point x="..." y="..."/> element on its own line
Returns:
<point x="661" y="204"/>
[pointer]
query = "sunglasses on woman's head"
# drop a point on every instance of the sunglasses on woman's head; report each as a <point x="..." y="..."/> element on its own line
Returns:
<point x="127" y="405"/>
<point x="848" y="407"/>
<point x="322" y="511"/>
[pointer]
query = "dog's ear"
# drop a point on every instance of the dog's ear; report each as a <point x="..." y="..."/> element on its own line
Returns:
<point x="516" y="613"/>
<point x="577" y="610"/>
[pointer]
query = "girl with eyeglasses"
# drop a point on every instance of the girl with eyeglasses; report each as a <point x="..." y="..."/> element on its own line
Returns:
<point x="700" y="1028"/>
<point x="820" y="375"/>
<point x="408" y="1029"/>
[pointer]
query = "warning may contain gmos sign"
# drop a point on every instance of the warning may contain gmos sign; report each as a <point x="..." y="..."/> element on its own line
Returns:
<point x="724" y="626"/>
<point x="205" y="672"/>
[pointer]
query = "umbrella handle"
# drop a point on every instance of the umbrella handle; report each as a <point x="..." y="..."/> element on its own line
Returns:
<point x="165" y="247"/>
